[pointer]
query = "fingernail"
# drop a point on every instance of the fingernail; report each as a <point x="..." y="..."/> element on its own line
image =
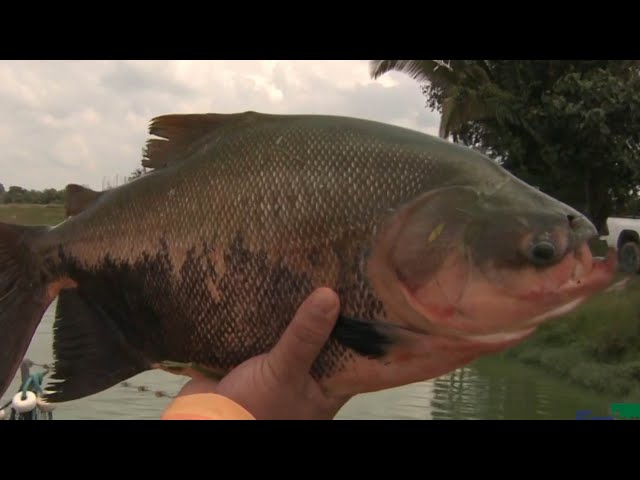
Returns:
<point x="323" y="301"/>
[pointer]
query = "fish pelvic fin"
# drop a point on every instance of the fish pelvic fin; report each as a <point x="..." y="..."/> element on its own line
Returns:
<point x="90" y="353"/>
<point x="79" y="198"/>
<point x="23" y="296"/>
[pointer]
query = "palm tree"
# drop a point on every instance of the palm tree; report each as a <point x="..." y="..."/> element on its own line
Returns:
<point x="466" y="88"/>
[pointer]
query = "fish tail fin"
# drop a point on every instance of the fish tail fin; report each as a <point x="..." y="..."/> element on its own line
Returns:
<point x="23" y="296"/>
<point x="90" y="352"/>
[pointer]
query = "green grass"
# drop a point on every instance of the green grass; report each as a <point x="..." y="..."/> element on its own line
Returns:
<point x="597" y="345"/>
<point x="31" y="214"/>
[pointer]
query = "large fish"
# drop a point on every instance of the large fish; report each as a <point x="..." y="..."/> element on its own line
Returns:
<point x="438" y="255"/>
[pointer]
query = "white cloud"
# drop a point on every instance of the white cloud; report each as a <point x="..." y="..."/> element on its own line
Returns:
<point x="83" y="121"/>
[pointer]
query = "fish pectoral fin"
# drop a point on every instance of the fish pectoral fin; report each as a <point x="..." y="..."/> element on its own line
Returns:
<point x="183" y="134"/>
<point x="90" y="353"/>
<point x="367" y="338"/>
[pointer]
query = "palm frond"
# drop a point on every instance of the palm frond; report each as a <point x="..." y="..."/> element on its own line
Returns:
<point x="440" y="73"/>
<point x="468" y="91"/>
<point x="456" y="112"/>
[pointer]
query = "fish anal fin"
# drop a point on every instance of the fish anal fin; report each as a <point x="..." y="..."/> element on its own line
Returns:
<point x="181" y="134"/>
<point x="90" y="353"/>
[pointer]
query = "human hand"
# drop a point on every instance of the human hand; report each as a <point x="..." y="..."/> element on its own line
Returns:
<point x="278" y="384"/>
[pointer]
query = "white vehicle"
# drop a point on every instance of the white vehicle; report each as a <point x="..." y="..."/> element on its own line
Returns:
<point x="624" y="235"/>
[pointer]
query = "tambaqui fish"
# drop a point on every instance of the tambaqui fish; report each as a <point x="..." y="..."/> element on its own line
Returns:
<point x="437" y="253"/>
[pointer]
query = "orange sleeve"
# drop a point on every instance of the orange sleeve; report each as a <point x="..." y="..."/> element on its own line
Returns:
<point x="205" y="406"/>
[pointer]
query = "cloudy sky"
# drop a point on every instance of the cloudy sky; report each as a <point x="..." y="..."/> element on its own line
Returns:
<point x="86" y="121"/>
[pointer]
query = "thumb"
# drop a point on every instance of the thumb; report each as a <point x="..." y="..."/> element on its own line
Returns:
<point x="307" y="333"/>
<point x="199" y="383"/>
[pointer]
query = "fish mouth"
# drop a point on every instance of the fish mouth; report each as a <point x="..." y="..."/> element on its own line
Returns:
<point x="588" y="276"/>
<point x="503" y="314"/>
<point x="590" y="272"/>
<point x="583" y="275"/>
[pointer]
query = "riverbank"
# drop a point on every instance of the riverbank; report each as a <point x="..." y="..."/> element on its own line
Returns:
<point x="596" y="346"/>
<point x="31" y="214"/>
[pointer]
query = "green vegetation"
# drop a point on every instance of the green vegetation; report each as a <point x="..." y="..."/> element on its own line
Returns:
<point x="597" y="346"/>
<point x="569" y="127"/>
<point x="17" y="194"/>
<point x="31" y="207"/>
<point x="41" y="207"/>
<point x="30" y="214"/>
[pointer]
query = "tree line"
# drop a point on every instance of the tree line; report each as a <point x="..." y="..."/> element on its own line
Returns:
<point x="16" y="194"/>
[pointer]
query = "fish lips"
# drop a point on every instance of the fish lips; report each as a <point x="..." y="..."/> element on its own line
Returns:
<point x="588" y="277"/>
<point x="578" y="277"/>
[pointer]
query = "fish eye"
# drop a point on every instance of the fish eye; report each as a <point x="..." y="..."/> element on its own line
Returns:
<point x="542" y="253"/>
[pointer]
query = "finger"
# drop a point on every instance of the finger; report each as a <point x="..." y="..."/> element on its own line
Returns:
<point x="198" y="384"/>
<point x="307" y="333"/>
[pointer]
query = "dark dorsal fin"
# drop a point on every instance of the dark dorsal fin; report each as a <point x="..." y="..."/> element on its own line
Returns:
<point x="182" y="133"/>
<point x="79" y="198"/>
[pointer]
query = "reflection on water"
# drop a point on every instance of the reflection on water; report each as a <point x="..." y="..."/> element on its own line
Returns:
<point x="410" y="402"/>
<point x="487" y="389"/>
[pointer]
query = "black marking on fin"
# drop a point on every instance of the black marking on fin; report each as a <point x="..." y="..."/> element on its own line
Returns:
<point x="182" y="133"/>
<point x="366" y="338"/>
<point x="79" y="198"/>
<point x="91" y="355"/>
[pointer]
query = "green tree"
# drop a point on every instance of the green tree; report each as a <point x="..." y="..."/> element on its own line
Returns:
<point x="15" y="194"/>
<point x="570" y="127"/>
